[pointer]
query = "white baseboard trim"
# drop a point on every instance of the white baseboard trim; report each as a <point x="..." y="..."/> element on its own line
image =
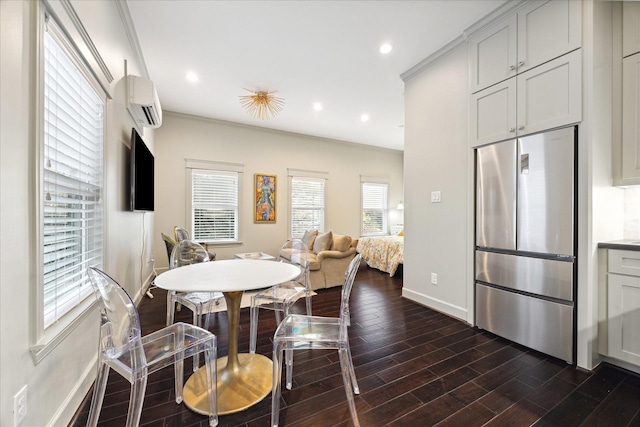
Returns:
<point x="436" y="304"/>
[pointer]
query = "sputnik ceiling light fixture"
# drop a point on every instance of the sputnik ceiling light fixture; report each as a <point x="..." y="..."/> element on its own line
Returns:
<point x="262" y="104"/>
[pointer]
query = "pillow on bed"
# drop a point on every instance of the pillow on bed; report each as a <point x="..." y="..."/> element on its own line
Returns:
<point x="322" y="242"/>
<point x="309" y="237"/>
<point x="341" y="242"/>
<point x="401" y="232"/>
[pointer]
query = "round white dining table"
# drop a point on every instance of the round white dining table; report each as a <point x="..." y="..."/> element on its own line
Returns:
<point x="243" y="379"/>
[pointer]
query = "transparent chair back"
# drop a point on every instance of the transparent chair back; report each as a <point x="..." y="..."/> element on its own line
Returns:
<point x="281" y="297"/>
<point x="300" y="332"/>
<point x="181" y="234"/>
<point x="134" y="357"/>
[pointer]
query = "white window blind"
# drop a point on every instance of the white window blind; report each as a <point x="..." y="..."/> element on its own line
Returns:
<point x="374" y="209"/>
<point x="214" y="205"/>
<point x="72" y="184"/>
<point x="307" y="204"/>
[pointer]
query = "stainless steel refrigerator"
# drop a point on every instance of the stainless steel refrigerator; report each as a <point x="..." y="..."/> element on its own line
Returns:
<point x="525" y="257"/>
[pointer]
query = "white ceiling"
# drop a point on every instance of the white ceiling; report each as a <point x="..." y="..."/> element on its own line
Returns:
<point x="307" y="51"/>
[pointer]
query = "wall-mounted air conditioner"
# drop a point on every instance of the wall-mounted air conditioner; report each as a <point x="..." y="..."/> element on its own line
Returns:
<point x="143" y="102"/>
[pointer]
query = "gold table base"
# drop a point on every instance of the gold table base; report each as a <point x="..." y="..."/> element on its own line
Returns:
<point x="238" y="389"/>
<point x="243" y="379"/>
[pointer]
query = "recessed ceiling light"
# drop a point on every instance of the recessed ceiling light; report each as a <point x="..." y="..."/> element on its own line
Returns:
<point x="385" y="48"/>
<point x="317" y="106"/>
<point x="192" y="77"/>
<point x="364" y="117"/>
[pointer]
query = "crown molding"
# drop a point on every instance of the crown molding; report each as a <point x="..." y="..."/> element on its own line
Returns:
<point x="132" y="35"/>
<point x="506" y="8"/>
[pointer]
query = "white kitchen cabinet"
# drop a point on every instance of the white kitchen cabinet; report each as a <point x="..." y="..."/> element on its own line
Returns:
<point x="631" y="118"/>
<point x="542" y="98"/>
<point x="630" y="28"/>
<point x="493" y="54"/>
<point x="550" y="95"/>
<point x="492" y="114"/>
<point x="623" y="305"/>
<point x="539" y="32"/>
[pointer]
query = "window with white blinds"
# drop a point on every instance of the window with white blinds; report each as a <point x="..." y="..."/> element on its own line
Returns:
<point x="214" y="205"/>
<point x="307" y="204"/>
<point x="72" y="182"/>
<point x="374" y="209"/>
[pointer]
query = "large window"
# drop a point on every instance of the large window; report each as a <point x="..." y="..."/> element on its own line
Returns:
<point x="374" y="208"/>
<point x="213" y="204"/>
<point x="72" y="181"/>
<point x="307" y="204"/>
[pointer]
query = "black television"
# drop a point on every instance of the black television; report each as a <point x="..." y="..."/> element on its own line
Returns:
<point x="142" y="178"/>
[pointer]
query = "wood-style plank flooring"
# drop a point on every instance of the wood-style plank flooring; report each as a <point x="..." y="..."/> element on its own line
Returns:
<point x="416" y="367"/>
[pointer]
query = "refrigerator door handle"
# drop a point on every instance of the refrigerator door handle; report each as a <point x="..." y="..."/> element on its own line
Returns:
<point x="524" y="163"/>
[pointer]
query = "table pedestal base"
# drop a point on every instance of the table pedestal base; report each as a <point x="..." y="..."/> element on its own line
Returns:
<point x="239" y="387"/>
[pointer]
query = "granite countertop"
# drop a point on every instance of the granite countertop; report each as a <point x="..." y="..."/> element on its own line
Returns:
<point x="625" y="244"/>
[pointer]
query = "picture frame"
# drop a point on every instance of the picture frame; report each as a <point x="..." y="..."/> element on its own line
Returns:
<point x="265" y="192"/>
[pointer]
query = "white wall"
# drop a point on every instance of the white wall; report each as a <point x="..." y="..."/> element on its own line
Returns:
<point x="438" y="158"/>
<point x="265" y="151"/>
<point x="58" y="383"/>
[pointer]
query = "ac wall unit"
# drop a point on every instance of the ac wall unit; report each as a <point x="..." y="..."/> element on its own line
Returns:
<point x="143" y="102"/>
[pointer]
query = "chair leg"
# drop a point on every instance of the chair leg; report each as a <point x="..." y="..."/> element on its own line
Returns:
<point x="136" y="400"/>
<point x="171" y="306"/>
<point x="277" y="383"/>
<point x="344" y="362"/>
<point x="210" y="355"/>
<point x="309" y="305"/>
<point x="197" y="319"/>
<point x="98" y="394"/>
<point x="288" y="355"/>
<point x="178" y="370"/>
<point x="352" y="372"/>
<point x="253" y="328"/>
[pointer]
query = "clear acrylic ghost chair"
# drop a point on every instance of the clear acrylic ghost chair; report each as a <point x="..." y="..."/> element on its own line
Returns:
<point x="181" y="234"/>
<point x="188" y="252"/>
<point x="135" y="357"/>
<point x="299" y="332"/>
<point x="281" y="297"/>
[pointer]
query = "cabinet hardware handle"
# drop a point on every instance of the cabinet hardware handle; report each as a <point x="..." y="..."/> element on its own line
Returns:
<point x="521" y="127"/>
<point x="520" y="64"/>
<point x="512" y="67"/>
<point x="512" y="130"/>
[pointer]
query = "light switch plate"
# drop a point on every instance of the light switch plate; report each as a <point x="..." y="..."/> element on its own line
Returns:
<point x="436" y="197"/>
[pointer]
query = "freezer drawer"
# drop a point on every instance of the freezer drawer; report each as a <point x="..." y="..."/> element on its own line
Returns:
<point x="547" y="277"/>
<point x="538" y="324"/>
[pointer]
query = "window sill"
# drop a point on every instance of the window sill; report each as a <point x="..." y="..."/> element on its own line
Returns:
<point x="221" y="244"/>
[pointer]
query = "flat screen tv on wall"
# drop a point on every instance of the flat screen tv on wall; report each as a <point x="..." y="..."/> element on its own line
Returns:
<point x="141" y="174"/>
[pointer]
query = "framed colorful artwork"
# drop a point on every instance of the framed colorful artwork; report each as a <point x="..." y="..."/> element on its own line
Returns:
<point x="265" y="198"/>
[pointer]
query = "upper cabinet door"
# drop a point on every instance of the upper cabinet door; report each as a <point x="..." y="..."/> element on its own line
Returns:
<point x="547" y="30"/>
<point x="630" y="28"/>
<point x="492" y="114"/>
<point x="550" y="95"/>
<point x="492" y="54"/>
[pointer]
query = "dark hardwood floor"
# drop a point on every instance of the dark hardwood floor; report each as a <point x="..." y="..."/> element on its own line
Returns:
<point x="415" y="367"/>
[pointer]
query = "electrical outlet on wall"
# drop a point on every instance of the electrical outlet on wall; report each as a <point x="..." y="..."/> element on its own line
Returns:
<point x="20" y="406"/>
<point x="434" y="279"/>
